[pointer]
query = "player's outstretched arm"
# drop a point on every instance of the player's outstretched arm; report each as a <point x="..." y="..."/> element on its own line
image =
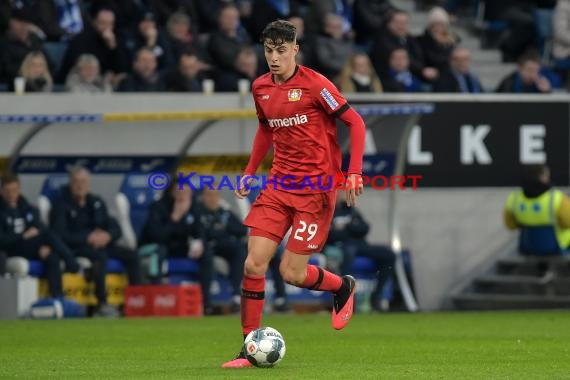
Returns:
<point x="357" y="136"/>
<point x="261" y="144"/>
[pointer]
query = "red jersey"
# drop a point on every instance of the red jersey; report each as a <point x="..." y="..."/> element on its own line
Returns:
<point x="300" y="115"/>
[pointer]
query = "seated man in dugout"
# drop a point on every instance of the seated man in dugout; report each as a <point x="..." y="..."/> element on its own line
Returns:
<point x="173" y="225"/>
<point x="224" y="235"/>
<point x="81" y="219"/>
<point x="23" y="234"/>
<point x="348" y="235"/>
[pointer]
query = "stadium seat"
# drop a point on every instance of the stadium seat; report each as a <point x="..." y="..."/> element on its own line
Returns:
<point x="49" y="192"/>
<point x="20" y="266"/>
<point x="539" y="241"/>
<point x="133" y="201"/>
<point x="17" y="266"/>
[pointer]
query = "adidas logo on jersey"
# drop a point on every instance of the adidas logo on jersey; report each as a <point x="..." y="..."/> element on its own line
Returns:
<point x="288" y="122"/>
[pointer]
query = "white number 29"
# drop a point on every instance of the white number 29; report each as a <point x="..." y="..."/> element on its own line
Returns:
<point x="312" y="230"/>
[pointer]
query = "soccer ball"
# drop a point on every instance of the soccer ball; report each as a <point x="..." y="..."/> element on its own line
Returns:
<point x="264" y="347"/>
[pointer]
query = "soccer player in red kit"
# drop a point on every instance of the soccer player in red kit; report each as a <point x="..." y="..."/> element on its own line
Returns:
<point x="297" y="110"/>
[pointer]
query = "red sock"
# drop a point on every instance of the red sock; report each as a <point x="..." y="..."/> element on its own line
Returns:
<point x="320" y="279"/>
<point x="252" y="299"/>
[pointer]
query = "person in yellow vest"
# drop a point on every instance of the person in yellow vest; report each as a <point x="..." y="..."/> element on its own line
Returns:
<point x="538" y="204"/>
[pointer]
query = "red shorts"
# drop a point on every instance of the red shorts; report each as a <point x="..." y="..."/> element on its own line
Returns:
<point x="309" y="215"/>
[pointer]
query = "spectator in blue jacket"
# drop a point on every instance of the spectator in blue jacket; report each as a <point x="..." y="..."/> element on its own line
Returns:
<point x="348" y="232"/>
<point x="81" y="219"/>
<point x="23" y="234"/>
<point x="526" y="79"/>
<point x="399" y="77"/>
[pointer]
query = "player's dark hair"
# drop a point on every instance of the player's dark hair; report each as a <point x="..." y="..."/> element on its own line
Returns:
<point x="9" y="178"/>
<point x="533" y="173"/>
<point x="279" y="32"/>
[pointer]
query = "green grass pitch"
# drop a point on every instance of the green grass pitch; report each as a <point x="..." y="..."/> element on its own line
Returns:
<point x="509" y="345"/>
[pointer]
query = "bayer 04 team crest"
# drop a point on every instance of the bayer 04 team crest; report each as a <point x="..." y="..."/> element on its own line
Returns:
<point x="294" y="94"/>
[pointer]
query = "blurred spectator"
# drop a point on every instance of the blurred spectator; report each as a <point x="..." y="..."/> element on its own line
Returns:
<point x="318" y="10"/>
<point x="188" y="76"/>
<point x="520" y="33"/>
<point x="174" y="225"/>
<point x="145" y="76"/>
<point x="561" y="43"/>
<point x="331" y="47"/>
<point x="265" y="11"/>
<point x="5" y="11"/>
<point x="369" y="17"/>
<point x="348" y="232"/>
<point x="397" y="35"/>
<point x="306" y="54"/>
<point x="124" y="10"/>
<point x="358" y="75"/>
<point x="180" y="36"/>
<point x="23" y="234"/>
<point x="538" y="204"/>
<point x="59" y="20"/>
<point x="150" y="36"/>
<point x="99" y="39"/>
<point x="438" y="40"/>
<point x="526" y="79"/>
<point x="246" y="67"/>
<point x="17" y="44"/>
<point x="86" y="76"/>
<point x="225" y="44"/>
<point x="208" y="14"/>
<point x="224" y="235"/>
<point x="399" y="77"/>
<point x="81" y="219"/>
<point x="466" y="8"/>
<point x="35" y="71"/>
<point x="459" y="78"/>
<point x="164" y="9"/>
<point x="561" y="21"/>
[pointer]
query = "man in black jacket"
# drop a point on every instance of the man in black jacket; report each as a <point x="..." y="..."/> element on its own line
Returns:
<point x="348" y="232"/>
<point x="459" y="77"/>
<point x="81" y="219"/>
<point x="20" y="40"/>
<point x="224" y="237"/>
<point x="98" y="39"/>
<point x="396" y="34"/>
<point x="23" y="234"/>
<point x="174" y="225"/>
<point x="145" y="76"/>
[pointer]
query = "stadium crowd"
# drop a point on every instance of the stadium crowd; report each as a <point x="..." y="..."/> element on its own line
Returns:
<point x="361" y="45"/>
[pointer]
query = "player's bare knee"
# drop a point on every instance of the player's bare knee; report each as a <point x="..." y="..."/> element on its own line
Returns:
<point x="255" y="266"/>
